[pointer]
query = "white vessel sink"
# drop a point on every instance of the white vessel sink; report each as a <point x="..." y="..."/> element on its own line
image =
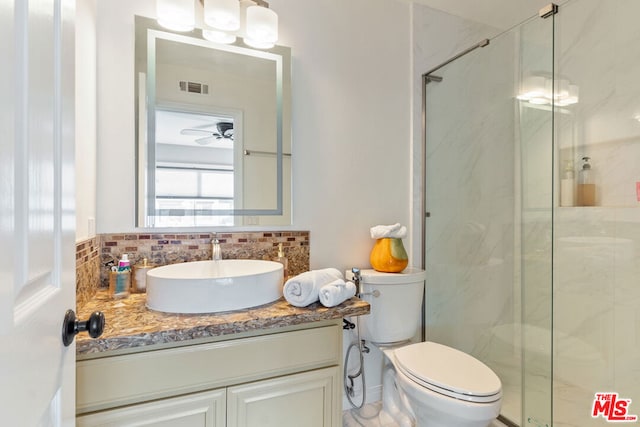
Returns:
<point x="213" y="286"/>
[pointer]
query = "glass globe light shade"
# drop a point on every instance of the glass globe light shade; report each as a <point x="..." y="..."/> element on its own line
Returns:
<point x="257" y="44"/>
<point x="218" y="36"/>
<point x="262" y="25"/>
<point x="176" y="15"/>
<point x="222" y="14"/>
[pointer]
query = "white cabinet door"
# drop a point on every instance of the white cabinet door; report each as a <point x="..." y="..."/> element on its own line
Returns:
<point x="195" y="410"/>
<point x="301" y="400"/>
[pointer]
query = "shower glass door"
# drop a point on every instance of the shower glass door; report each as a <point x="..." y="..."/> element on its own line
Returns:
<point x="489" y="192"/>
<point x="596" y="263"/>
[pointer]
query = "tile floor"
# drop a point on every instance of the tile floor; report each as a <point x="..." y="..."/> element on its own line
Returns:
<point x="368" y="417"/>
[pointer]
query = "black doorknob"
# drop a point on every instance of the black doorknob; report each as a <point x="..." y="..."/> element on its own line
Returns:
<point x="71" y="326"/>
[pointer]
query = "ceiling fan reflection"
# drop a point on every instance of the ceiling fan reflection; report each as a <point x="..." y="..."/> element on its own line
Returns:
<point x="224" y="131"/>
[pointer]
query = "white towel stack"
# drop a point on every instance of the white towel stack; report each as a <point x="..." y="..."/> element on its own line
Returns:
<point x="336" y="292"/>
<point x="306" y="288"/>
<point x="395" y="231"/>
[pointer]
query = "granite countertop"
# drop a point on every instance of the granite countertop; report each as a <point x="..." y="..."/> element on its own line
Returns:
<point x="131" y="325"/>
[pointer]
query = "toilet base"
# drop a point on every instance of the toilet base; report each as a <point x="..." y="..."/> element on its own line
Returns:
<point x="394" y="411"/>
<point x="404" y="404"/>
<point x="386" y="420"/>
<point x="443" y="411"/>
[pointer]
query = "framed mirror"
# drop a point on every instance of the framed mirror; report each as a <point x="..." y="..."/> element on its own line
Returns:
<point x="213" y="131"/>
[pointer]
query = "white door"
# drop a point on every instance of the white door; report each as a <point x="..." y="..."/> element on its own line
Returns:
<point x="37" y="211"/>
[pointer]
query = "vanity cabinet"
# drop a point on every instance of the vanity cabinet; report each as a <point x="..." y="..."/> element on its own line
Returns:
<point x="303" y="400"/>
<point x="290" y="378"/>
<point x="206" y="409"/>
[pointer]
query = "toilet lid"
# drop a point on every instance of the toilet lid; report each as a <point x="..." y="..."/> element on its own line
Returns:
<point x="448" y="371"/>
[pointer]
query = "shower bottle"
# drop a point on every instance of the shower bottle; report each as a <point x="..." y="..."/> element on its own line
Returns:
<point x="586" y="184"/>
<point x="567" y="184"/>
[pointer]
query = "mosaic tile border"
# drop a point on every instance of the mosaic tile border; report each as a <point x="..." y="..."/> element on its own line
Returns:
<point x="170" y="248"/>
<point x="87" y="269"/>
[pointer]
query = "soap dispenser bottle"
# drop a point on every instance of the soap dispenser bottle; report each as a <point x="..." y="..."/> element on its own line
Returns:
<point x="586" y="184"/>
<point x="284" y="261"/>
<point x="120" y="278"/>
<point x="567" y="184"/>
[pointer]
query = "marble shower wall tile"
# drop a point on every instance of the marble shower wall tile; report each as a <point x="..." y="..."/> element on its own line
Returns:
<point x="596" y="298"/>
<point x="437" y="37"/>
<point x="597" y="256"/>
<point x="598" y="50"/>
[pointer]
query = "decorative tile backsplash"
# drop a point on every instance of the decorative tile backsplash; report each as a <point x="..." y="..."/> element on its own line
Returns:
<point x="87" y="269"/>
<point x="94" y="255"/>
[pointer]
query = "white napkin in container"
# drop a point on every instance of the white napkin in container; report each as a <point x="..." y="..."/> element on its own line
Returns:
<point x="394" y="231"/>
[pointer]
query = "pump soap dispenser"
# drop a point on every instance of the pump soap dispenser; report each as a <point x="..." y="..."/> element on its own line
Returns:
<point x="567" y="186"/>
<point x="586" y="185"/>
<point x="284" y="261"/>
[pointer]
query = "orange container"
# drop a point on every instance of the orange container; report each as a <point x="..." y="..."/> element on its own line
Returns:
<point x="388" y="255"/>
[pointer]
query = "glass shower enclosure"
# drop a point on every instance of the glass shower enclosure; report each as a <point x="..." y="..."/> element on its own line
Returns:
<point x="521" y="274"/>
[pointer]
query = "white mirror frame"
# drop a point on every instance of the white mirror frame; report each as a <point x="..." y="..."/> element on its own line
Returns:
<point x="146" y="106"/>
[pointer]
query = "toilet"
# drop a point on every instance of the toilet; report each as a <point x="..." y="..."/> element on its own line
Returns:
<point x="424" y="384"/>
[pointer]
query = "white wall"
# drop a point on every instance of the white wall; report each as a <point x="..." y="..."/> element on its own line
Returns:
<point x="85" y="119"/>
<point x="229" y="92"/>
<point x="351" y="120"/>
<point x="115" y="186"/>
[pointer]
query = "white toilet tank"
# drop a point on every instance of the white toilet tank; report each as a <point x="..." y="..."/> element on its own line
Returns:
<point x="396" y="312"/>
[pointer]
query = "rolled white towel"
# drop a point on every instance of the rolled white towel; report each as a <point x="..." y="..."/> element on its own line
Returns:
<point x="394" y="231"/>
<point x="304" y="289"/>
<point x="336" y="292"/>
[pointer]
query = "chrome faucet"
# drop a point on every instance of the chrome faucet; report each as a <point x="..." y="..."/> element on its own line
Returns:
<point x="215" y="249"/>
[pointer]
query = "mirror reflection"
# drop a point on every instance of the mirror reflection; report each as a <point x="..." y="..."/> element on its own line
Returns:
<point x="213" y="131"/>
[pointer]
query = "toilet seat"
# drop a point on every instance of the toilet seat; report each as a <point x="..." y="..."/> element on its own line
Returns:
<point x="448" y="371"/>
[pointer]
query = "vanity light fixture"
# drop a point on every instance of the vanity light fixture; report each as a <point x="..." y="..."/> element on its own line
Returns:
<point x="539" y="90"/>
<point x="224" y="20"/>
<point x="533" y="90"/>
<point x="222" y="14"/>
<point x="218" y="36"/>
<point x="262" y="27"/>
<point x="570" y="98"/>
<point x="176" y="15"/>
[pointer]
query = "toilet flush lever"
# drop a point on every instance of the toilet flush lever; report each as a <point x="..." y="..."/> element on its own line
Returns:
<point x="357" y="280"/>
<point x="375" y="293"/>
<point x="357" y="277"/>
